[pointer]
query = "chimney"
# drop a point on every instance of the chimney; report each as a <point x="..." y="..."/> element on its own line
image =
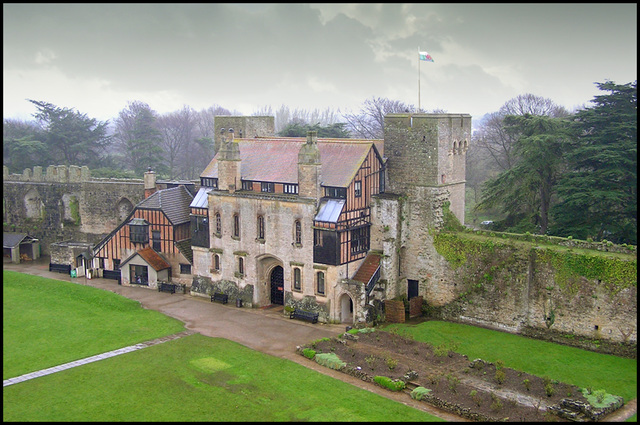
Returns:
<point x="229" y="164"/>
<point x="309" y="168"/>
<point x="149" y="183"/>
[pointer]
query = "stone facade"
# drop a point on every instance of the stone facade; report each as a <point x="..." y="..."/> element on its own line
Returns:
<point x="243" y="126"/>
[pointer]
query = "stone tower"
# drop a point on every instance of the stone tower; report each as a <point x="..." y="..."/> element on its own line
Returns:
<point x="428" y="151"/>
<point x="229" y="163"/>
<point x="309" y="178"/>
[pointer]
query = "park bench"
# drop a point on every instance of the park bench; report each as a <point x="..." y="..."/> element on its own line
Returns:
<point x="305" y="315"/>
<point x="166" y="287"/>
<point x="60" y="268"/>
<point x="218" y="296"/>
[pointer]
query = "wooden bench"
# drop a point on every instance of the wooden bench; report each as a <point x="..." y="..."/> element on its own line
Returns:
<point x="223" y="298"/>
<point x="305" y="315"/>
<point x="166" y="287"/>
<point x="60" y="268"/>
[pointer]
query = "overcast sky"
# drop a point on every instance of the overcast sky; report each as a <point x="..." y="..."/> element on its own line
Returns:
<point x="97" y="57"/>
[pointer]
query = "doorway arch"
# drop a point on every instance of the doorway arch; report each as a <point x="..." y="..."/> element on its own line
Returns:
<point x="346" y="309"/>
<point x="276" y="280"/>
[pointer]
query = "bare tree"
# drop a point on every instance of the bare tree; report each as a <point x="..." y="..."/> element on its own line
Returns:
<point x="492" y="137"/>
<point x="368" y="123"/>
<point x="284" y="116"/>
<point x="178" y="130"/>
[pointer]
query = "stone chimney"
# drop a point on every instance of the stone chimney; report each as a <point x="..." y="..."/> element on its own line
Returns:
<point x="149" y="183"/>
<point x="229" y="164"/>
<point x="309" y="168"/>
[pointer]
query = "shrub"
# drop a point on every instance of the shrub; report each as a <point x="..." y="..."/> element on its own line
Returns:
<point x="309" y="353"/>
<point x="527" y="384"/>
<point x="499" y="364"/>
<point x="330" y="360"/>
<point x="548" y="388"/>
<point x="500" y="376"/>
<point x="391" y="363"/>
<point x="441" y="350"/>
<point x="419" y="392"/>
<point x="475" y="397"/>
<point x="371" y="361"/>
<point x="389" y="383"/>
<point x="453" y="382"/>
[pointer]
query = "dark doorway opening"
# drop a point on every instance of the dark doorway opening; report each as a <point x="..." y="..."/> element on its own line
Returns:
<point x="412" y="288"/>
<point x="277" y="285"/>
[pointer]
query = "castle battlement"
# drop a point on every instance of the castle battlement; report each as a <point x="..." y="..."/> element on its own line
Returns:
<point x="54" y="174"/>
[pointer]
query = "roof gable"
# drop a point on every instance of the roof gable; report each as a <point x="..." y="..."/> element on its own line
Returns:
<point x="151" y="257"/>
<point x="276" y="160"/>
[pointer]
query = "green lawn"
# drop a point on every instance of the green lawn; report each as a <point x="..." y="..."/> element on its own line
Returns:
<point x="196" y="378"/>
<point x="583" y="368"/>
<point x="48" y="322"/>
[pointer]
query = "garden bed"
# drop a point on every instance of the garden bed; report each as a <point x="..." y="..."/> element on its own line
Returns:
<point x="473" y="389"/>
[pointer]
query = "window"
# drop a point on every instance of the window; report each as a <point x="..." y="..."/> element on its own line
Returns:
<point x="218" y="224"/>
<point x="320" y="282"/>
<point x="260" y="226"/>
<point x="357" y="187"/>
<point x="247" y="185"/>
<point x="116" y="264"/>
<point x="216" y="262"/>
<point x="139" y="274"/>
<point x="185" y="268"/>
<point x="335" y="192"/>
<point x="139" y="231"/>
<point x="236" y="226"/>
<point x="360" y="240"/>
<point x="241" y="266"/>
<point x="155" y="235"/>
<point x="298" y="232"/>
<point x="317" y="237"/>
<point x="209" y="182"/>
<point x="290" y="188"/>
<point x="267" y="187"/>
<point x="297" y="279"/>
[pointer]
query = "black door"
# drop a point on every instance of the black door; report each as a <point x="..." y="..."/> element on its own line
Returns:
<point x="277" y="285"/>
<point x="412" y="288"/>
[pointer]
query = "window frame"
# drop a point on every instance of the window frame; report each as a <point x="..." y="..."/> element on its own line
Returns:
<point x="297" y="232"/>
<point x="183" y="267"/>
<point x="236" y="226"/>
<point x="247" y="185"/>
<point x="260" y="227"/>
<point x="320" y="280"/>
<point x="218" y="224"/>
<point x="141" y="232"/>
<point x="290" y="188"/>
<point x="297" y="279"/>
<point x="267" y="187"/>
<point x="357" y="188"/>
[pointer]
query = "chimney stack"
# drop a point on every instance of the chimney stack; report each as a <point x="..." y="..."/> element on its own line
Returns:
<point x="149" y="183"/>
<point x="309" y="172"/>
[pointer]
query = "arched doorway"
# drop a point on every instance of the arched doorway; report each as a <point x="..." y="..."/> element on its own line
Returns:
<point x="277" y="285"/>
<point x="346" y="309"/>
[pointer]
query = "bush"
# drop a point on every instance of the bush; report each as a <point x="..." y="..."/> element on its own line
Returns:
<point x="391" y="363"/>
<point x="527" y="384"/>
<point x="309" y="353"/>
<point x="330" y="360"/>
<point x="419" y="392"/>
<point x="389" y="383"/>
<point x="500" y="376"/>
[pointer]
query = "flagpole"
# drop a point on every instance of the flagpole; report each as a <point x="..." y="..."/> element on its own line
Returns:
<point x="418" y="78"/>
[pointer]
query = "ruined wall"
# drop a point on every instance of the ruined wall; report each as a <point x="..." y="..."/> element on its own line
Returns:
<point x="574" y="297"/>
<point x="65" y="203"/>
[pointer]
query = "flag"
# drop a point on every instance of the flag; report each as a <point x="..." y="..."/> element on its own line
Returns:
<point x="424" y="56"/>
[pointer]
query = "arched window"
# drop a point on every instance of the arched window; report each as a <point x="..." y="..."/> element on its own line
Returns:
<point x="218" y="224"/>
<point x="297" y="279"/>
<point x="298" y="232"/>
<point x="236" y="225"/>
<point x="216" y="262"/>
<point x="260" y="226"/>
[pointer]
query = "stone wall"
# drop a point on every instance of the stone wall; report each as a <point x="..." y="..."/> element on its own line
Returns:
<point x="65" y="203"/>
<point x="246" y="127"/>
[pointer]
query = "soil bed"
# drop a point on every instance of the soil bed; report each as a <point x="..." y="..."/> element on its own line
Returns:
<point x="473" y="389"/>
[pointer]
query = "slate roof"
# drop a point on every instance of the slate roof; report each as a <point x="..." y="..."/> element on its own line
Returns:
<point x="276" y="159"/>
<point x="174" y="202"/>
<point x="185" y="249"/>
<point x="11" y="240"/>
<point x="151" y="257"/>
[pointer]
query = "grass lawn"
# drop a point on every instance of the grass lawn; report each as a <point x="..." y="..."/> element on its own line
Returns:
<point x="196" y="378"/>
<point x="616" y="375"/>
<point x="48" y="322"/>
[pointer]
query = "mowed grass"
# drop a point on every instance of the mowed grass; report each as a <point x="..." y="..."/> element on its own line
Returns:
<point x="616" y="375"/>
<point x="196" y="378"/>
<point x="49" y="322"/>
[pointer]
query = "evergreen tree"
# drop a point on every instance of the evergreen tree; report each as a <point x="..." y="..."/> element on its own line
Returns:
<point x="598" y="196"/>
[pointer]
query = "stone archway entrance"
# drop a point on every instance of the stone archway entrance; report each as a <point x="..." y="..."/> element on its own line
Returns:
<point x="276" y="279"/>
<point x="346" y="309"/>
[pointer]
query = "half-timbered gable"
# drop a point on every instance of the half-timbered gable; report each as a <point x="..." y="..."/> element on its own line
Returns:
<point x="161" y="222"/>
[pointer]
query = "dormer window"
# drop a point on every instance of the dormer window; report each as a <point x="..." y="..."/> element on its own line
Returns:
<point x="139" y="231"/>
<point x="267" y="187"/>
<point x="209" y="182"/>
<point x="335" y="192"/>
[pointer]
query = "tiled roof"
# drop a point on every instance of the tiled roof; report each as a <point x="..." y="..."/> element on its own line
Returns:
<point x="276" y="159"/>
<point x="173" y="202"/>
<point x="11" y="240"/>
<point x="184" y="247"/>
<point x="151" y="257"/>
